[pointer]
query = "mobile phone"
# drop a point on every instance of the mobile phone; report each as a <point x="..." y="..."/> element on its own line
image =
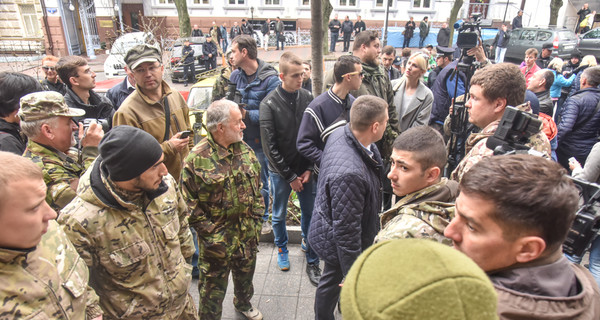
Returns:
<point x="185" y="134"/>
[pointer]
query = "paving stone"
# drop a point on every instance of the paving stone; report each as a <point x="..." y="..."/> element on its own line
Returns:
<point x="278" y="307"/>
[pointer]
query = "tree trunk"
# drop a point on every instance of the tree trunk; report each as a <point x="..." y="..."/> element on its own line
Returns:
<point x="453" y="15"/>
<point x="555" y="5"/>
<point x="326" y="9"/>
<point x="185" y="29"/>
<point x="317" y="36"/>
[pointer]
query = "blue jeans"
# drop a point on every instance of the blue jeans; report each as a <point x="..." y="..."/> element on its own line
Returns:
<point x="281" y="194"/>
<point x="264" y="178"/>
<point x="421" y="41"/>
<point x="334" y="39"/>
<point x="594" y="259"/>
<point x="500" y="54"/>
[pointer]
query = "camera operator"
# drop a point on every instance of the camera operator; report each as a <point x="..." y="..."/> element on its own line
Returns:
<point x="48" y="123"/>
<point x="512" y="216"/>
<point x="486" y="106"/>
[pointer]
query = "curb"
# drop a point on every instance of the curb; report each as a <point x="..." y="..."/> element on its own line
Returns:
<point x="294" y="235"/>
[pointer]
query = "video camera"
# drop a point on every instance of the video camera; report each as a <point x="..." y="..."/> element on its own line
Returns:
<point x="88" y="121"/>
<point x="469" y="32"/>
<point x="587" y="221"/>
<point x="513" y="132"/>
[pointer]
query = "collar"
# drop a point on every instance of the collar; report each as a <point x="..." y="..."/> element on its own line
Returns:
<point x="222" y="152"/>
<point x="42" y="149"/>
<point x="335" y="97"/>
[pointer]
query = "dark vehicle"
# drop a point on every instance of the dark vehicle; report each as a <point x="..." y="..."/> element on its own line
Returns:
<point x="177" y="63"/>
<point x="589" y="43"/>
<point x="563" y="40"/>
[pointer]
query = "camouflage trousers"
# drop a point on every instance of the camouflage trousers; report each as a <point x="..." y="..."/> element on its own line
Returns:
<point x="214" y="274"/>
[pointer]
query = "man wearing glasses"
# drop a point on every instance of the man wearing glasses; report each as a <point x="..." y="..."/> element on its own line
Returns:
<point x="75" y="72"/>
<point x="329" y="111"/>
<point x="52" y="82"/>
<point x="146" y="107"/>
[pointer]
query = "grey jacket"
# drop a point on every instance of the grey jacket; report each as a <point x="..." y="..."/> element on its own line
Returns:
<point x="419" y="110"/>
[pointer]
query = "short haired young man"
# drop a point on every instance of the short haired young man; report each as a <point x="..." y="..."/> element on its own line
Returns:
<point x="75" y="72"/>
<point x="280" y="116"/>
<point x="345" y="220"/>
<point x="306" y="78"/>
<point x="388" y="54"/>
<point x="512" y="216"/>
<point x="330" y="110"/>
<point x="51" y="80"/>
<point x="486" y="106"/>
<point x="426" y="202"/>
<point x="42" y="275"/>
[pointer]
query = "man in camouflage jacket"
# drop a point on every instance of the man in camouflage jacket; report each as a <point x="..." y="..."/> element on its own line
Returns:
<point x="486" y="106"/>
<point x="41" y="273"/>
<point x="221" y="184"/>
<point x="47" y="122"/>
<point x="426" y="205"/>
<point x="129" y="223"/>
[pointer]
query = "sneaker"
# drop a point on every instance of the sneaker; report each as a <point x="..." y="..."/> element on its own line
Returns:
<point x="314" y="273"/>
<point x="252" y="314"/>
<point x="303" y="245"/>
<point x="266" y="227"/>
<point x="282" y="259"/>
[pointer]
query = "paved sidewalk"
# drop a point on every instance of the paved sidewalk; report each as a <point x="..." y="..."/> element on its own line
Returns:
<point x="278" y="295"/>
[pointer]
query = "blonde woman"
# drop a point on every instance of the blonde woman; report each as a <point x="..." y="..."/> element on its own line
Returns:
<point x="412" y="98"/>
<point x="560" y="81"/>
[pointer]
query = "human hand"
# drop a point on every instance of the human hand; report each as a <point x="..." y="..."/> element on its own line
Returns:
<point x="574" y="164"/>
<point x="478" y="52"/>
<point x="178" y="143"/>
<point x="92" y="136"/>
<point x="305" y="177"/>
<point x="297" y="185"/>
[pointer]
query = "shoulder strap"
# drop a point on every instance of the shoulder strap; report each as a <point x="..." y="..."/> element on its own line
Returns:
<point x="167" y="119"/>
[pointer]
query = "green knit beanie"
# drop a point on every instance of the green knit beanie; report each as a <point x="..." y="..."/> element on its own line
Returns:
<point x="416" y="279"/>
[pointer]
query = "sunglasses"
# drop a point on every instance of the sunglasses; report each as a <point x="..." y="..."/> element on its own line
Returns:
<point x="360" y="73"/>
<point x="49" y="68"/>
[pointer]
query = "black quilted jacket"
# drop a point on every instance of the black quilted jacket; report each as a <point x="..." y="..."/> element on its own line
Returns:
<point x="345" y="218"/>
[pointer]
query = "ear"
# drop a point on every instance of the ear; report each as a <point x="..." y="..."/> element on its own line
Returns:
<point x="375" y="127"/>
<point x="281" y="76"/>
<point x="73" y="81"/>
<point x="500" y="105"/>
<point x="529" y="248"/>
<point x="432" y="174"/>
<point x="46" y="131"/>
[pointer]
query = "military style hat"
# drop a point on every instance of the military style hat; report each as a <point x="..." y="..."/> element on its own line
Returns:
<point x="44" y="105"/>
<point x="397" y="61"/>
<point x="140" y="54"/>
<point x="444" y="51"/>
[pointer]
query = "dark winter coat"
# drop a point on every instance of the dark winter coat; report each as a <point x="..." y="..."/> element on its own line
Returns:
<point x="187" y="53"/>
<point x="99" y="107"/>
<point x="332" y="24"/>
<point x="119" y="93"/>
<point x="409" y="29"/>
<point x="443" y="37"/>
<point x="345" y="218"/>
<point x="11" y="139"/>
<point x="579" y="127"/>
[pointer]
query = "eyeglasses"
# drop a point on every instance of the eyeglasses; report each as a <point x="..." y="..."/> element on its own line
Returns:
<point x="141" y="71"/>
<point x="360" y="73"/>
<point x="49" y="68"/>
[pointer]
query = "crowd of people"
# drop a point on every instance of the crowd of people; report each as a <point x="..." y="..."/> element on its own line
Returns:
<point x="140" y="209"/>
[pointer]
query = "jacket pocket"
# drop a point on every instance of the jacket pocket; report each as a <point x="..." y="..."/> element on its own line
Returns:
<point x="77" y="279"/>
<point x="171" y="229"/>
<point x="125" y="257"/>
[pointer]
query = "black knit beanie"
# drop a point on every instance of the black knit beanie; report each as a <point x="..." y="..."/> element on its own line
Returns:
<point x="127" y="152"/>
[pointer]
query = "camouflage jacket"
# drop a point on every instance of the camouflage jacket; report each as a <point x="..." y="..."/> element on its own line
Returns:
<point x="421" y="214"/>
<point x="476" y="149"/>
<point x="136" y="251"/>
<point x="60" y="170"/>
<point x="221" y="85"/>
<point x="50" y="282"/>
<point x="222" y="189"/>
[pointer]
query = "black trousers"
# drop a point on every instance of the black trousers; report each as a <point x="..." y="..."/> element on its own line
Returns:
<point x="211" y="63"/>
<point x="346" y="42"/>
<point x="189" y="73"/>
<point x="406" y="42"/>
<point x="328" y="292"/>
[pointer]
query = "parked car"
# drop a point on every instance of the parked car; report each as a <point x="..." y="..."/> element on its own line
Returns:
<point x="589" y="43"/>
<point x="176" y="70"/>
<point x="563" y="40"/>
<point x="114" y="63"/>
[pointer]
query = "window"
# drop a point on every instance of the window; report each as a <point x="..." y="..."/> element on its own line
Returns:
<point x="236" y="1"/>
<point x="543" y="35"/>
<point x="379" y="3"/>
<point x="528" y="35"/>
<point x="272" y="2"/>
<point x="29" y="18"/>
<point x="348" y="3"/>
<point x="424" y="4"/>
<point x="202" y="1"/>
<point x="306" y="2"/>
<point x="165" y="1"/>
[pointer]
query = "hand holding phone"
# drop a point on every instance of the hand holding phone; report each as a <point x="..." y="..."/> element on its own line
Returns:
<point x="185" y="134"/>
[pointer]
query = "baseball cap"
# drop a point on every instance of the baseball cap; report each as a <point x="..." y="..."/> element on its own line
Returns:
<point x="140" y="54"/>
<point x="44" y="105"/>
<point x="548" y="46"/>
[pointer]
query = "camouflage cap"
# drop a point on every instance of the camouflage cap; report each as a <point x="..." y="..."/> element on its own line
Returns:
<point x="140" y="54"/>
<point x="45" y="105"/>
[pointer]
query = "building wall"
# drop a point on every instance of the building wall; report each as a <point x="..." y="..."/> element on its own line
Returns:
<point x="20" y="27"/>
